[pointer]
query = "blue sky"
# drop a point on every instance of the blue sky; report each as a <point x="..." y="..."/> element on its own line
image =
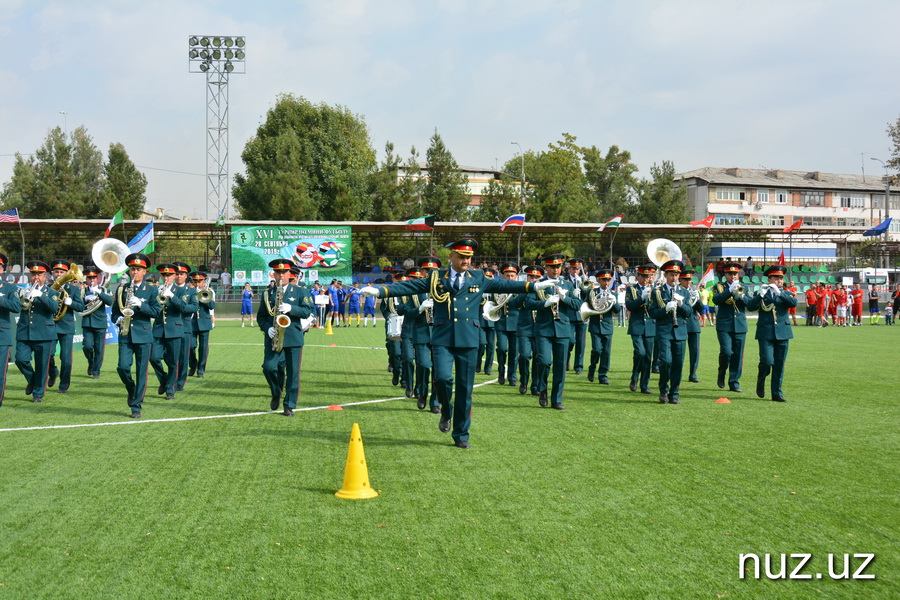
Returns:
<point x="792" y="85"/>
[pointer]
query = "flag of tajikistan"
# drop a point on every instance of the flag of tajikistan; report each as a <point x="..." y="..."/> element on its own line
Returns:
<point x="611" y="223"/>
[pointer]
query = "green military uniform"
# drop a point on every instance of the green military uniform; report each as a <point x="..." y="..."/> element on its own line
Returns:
<point x="191" y="307"/>
<point x="642" y="329"/>
<point x="600" y="326"/>
<point x="415" y="322"/>
<point x="202" y="324"/>
<point x="525" y="337"/>
<point x="71" y="295"/>
<point x="135" y="345"/>
<point x="505" y="327"/>
<point x="693" y="328"/>
<point x="578" y="326"/>
<point x="95" y="325"/>
<point x="10" y="304"/>
<point x="671" y="333"/>
<point x="455" y="333"/>
<point x="168" y="333"/>
<point x="388" y="310"/>
<point x="731" y="329"/>
<point x="36" y="333"/>
<point x="773" y="332"/>
<point x="487" y="336"/>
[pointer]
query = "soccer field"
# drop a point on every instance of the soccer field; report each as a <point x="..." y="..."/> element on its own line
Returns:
<point x="616" y="497"/>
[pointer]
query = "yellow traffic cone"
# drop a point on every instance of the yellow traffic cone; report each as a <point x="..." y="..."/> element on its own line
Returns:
<point x="356" y="474"/>
<point x="328" y="330"/>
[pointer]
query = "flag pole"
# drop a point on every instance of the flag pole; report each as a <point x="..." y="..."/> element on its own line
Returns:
<point x="791" y="254"/>
<point x="22" y="231"/>
<point x="519" y="246"/>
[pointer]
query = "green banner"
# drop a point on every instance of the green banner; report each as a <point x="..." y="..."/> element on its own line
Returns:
<point x="322" y="253"/>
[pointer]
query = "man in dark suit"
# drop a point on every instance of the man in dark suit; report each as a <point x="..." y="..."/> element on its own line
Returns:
<point x="190" y="308"/>
<point x="36" y="330"/>
<point x="94" y="325"/>
<point x="487" y="335"/>
<point x="554" y="332"/>
<point x="641" y="328"/>
<point x="505" y="327"/>
<point x="202" y="323"/>
<point x="71" y="298"/>
<point x="731" y="326"/>
<point x="773" y="330"/>
<point x="670" y="309"/>
<point x="525" y="334"/>
<point x="575" y="275"/>
<point x="134" y="306"/>
<point x="457" y="294"/>
<point x="600" y="325"/>
<point x="293" y="301"/>
<point x="693" y="324"/>
<point x="168" y="330"/>
<point x="10" y="304"/>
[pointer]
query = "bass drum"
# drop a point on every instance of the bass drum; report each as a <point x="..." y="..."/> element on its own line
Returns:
<point x="394" y="325"/>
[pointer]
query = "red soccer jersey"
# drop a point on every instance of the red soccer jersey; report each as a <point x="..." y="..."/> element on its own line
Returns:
<point x="812" y="297"/>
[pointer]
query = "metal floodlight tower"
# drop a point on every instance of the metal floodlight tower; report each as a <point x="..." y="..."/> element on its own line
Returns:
<point x="218" y="56"/>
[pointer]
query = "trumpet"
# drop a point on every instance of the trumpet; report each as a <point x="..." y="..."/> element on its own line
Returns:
<point x="26" y="297"/>
<point x="205" y="296"/>
<point x="162" y="298"/>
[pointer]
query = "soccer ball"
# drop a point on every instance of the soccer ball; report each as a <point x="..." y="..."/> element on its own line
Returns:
<point x="329" y="254"/>
<point x="306" y="255"/>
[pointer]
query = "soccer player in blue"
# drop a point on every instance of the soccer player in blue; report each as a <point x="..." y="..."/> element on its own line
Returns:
<point x="353" y="303"/>
<point x="247" y="304"/>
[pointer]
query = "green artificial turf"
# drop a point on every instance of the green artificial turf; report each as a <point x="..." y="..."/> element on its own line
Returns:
<point x="617" y="497"/>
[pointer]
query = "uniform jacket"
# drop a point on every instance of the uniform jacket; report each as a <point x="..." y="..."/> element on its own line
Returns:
<point x="525" y="323"/>
<point x="545" y="323"/>
<point x="202" y="319"/>
<point x="693" y="321"/>
<point x="415" y="323"/>
<point x="669" y="327"/>
<point x="602" y="324"/>
<point x="10" y="303"/>
<point x="36" y="324"/>
<point x="457" y="315"/>
<point x="66" y="325"/>
<point x="173" y="314"/>
<point x="301" y="307"/>
<point x="773" y="315"/>
<point x="639" y="320"/>
<point x="97" y="319"/>
<point x="730" y="309"/>
<point x="509" y="314"/>
<point x="141" y="331"/>
<point x="191" y="307"/>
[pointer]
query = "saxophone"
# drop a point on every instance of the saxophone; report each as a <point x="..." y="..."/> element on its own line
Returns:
<point x="282" y="322"/>
<point x="127" y="311"/>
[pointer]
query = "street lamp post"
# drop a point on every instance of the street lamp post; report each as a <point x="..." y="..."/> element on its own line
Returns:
<point x="887" y="202"/>
<point x="522" y="154"/>
<point x="65" y="115"/>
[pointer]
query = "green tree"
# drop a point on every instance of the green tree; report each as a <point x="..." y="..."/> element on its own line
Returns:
<point x="124" y="186"/>
<point x="610" y="180"/>
<point x="659" y="201"/>
<point x="893" y="131"/>
<point x="446" y="192"/>
<point x="557" y="182"/>
<point x="307" y="161"/>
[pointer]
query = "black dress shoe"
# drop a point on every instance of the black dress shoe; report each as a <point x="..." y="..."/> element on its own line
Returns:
<point x="396" y="377"/>
<point x="512" y="382"/>
<point x="28" y="389"/>
<point x="720" y="380"/>
<point x="542" y="398"/>
<point x="409" y="392"/>
<point x="421" y="401"/>
<point x="663" y="398"/>
<point x="591" y="370"/>
<point x="37" y="399"/>
<point x="488" y="372"/>
<point x="673" y="400"/>
<point x="736" y="389"/>
<point x="444" y="425"/>
<point x="62" y="390"/>
<point x="558" y="407"/>
<point x="276" y="400"/>
<point x="136" y="414"/>
<point x="535" y="393"/>
<point x="501" y="377"/>
<point x="604" y="381"/>
<point x="288" y="412"/>
<point x="761" y="388"/>
<point x="192" y="372"/>
<point x="179" y="388"/>
<point x="170" y="396"/>
<point x="95" y="376"/>
<point x="436" y="410"/>
<point x="693" y="380"/>
<point x="578" y="371"/>
<point x="646" y="391"/>
<point x="655" y="371"/>
<point x="462" y="444"/>
<point x="161" y="389"/>
<point x="632" y="386"/>
<point x="523" y="389"/>
<point x="52" y="380"/>
<point x="779" y="399"/>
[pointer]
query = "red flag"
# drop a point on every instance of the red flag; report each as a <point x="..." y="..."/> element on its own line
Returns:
<point x="781" y="259"/>
<point x="793" y="226"/>
<point x="707" y="222"/>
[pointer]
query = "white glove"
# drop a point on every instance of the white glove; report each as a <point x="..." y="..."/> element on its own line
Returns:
<point x="68" y="301"/>
<point x="733" y="285"/>
<point x="562" y="293"/>
<point x="426" y="304"/>
<point x="95" y="289"/>
<point x="36" y="293"/>
<point x="554" y="299"/>
<point x="135" y="302"/>
<point x="91" y="297"/>
<point x="369" y="291"/>
<point x="284" y="308"/>
<point x="646" y="293"/>
<point x="764" y="289"/>
<point x="671" y="305"/>
<point x="272" y="333"/>
<point x="307" y="322"/>
<point x="167" y="292"/>
<point x="119" y="321"/>
<point x="544" y="284"/>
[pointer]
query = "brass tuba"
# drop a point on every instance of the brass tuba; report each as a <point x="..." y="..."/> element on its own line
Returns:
<point x="109" y="255"/>
<point x="73" y="274"/>
<point x="661" y="251"/>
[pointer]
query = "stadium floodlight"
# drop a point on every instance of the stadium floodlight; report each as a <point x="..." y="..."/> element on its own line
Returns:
<point x="213" y="55"/>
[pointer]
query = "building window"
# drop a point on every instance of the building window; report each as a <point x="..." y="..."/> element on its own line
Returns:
<point x="853" y="200"/>
<point x="811" y="198"/>
<point x="730" y="195"/>
<point x="729" y="219"/>
<point x="818" y="221"/>
<point x="781" y="197"/>
<point x="771" y="220"/>
<point x="878" y="201"/>
<point x="762" y="196"/>
<point x="848" y="222"/>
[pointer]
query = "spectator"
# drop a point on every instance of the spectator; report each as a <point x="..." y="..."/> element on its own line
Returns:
<point x="215" y="265"/>
<point x="748" y="266"/>
<point x="409" y="263"/>
<point x="225" y="284"/>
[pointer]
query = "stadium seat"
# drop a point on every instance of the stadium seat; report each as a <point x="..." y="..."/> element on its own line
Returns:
<point x="376" y="269"/>
<point x="746" y="280"/>
<point x="366" y="279"/>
